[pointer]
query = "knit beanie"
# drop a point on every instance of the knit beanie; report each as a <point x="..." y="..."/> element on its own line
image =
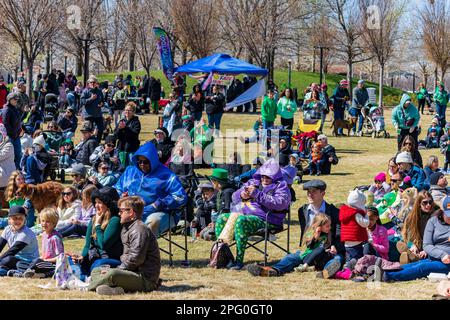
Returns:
<point x="434" y="178"/>
<point x="404" y="157"/>
<point x="380" y="177"/>
<point x="357" y="199"/>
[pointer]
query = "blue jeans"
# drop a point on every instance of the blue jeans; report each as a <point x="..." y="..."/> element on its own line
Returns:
<point x="440" y="110"/>
<point x="356" y="113"/>
<point x="17" y="152"/>
<point x="85" y="270"/>
<point x="339" y="115"/>
<point x="197" y="115"/>
<point x="293" y="260"/>
<point x="214" y="120"/>
<point x="76" y="229"/>
<point x="417" y="270"/>
<point x="354" y="252"/>
<point x="267" y="124"/>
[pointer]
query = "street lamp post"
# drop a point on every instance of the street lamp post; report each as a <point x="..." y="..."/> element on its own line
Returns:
<point x="65" y="64"/>
<point x="289" y="72"/>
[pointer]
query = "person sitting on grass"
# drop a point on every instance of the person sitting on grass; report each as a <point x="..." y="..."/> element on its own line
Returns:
<point x="332" y="258"/>
<point x="436" y="245"/>
<point x="103" y="245"/>
<point x="87" y="145"/>
<point x="140" y="263"/>
<point x="432" y="166"/>
<point x="266" y="193"/>
<point x="103" y="177"/>
<point x="417" y="175"/>
<point x="379" y="188"/>
<point x="411" y="248"/>
<point x="378" y="243"/>
<point x="108" y="153"/>
<point x="52" y="247"/>
<point x="78" y="174"/>
<point x="21" y="241"/>
<point x="78" y="224"/>
<point x="68" y="154"/>
<point x="317" y="241"/>
<point x="69" y="206"/>
<point x="438" y="186"/>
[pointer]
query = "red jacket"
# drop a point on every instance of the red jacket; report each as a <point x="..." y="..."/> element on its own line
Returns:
<point x="350" y="229"/>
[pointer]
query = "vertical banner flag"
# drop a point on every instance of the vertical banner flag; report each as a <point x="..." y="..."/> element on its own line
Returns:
<point x="164" y="50"/>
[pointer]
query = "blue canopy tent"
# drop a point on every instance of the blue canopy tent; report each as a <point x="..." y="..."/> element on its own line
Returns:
<point x="223" y="64"/>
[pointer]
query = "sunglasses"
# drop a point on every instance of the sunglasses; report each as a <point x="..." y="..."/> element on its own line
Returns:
<point x="104" y="168"/>
<point x="395" y="180"/>
<point x="407" y="144"/>
<point x="66" y="193"/>
<point x="144" y="162"/>
<point x="427" y="202"/>
<point x="110" y="145"/>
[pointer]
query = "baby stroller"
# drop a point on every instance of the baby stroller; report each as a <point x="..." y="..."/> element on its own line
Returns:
<point x="54" y="170"/>
<point x="51" y="107"/>
<point x="373" y="124"/>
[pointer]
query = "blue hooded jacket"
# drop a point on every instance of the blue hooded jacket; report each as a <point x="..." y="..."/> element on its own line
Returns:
<point x="160" y="188"/>
<point x="418" y="178"/>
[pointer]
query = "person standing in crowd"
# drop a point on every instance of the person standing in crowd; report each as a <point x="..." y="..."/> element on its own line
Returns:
<point x="286" y="108"/>
<point x="441" y="99"/>
<point x="52" y="83"/>
<point x="422" y="95"/>
<point x="405" y="119"/>
<point x="11" y="118"/>
<point x="360" y="99"/>
<point x="214" y="108"/>
<point x="340" y="97"/>
<point x="196" y="103"/>
<point x="24" y="101"/>
<point x="235" y="90"/>
<point x="269" y="110"/>
<point x="3" y="92"/>
<point x="119" y="99"/>
<point x="155" y="94"/>
<point x="140" y="263"/>
<point x="91" y="101"/>
<point x="127" y="133"/>
<point x="36" y="88"/>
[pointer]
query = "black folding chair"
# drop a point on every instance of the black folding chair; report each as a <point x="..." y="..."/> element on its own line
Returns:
<point x="167" y="235"/>
<point x="264" y="235"/>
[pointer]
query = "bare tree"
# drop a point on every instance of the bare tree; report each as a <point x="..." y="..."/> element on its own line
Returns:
<point x="262" y="25"/>
<point x="138" y="29"/>
<point x="435" y="23"/>
<point x="348" y="39"/>
<point x="196" y="24"/>
<point x="111" y="42"/>
<point x="28" y="23"/>
<point x="381" y="25"/>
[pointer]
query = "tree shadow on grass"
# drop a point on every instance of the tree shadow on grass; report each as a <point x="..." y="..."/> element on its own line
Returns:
<point x="341" y="174"/>
<point x="349" y="151"/>
<point x="179" y="288"/>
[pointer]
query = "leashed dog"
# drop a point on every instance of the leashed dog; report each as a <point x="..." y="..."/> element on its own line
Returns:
<point x="344" y="124"/>
<point x="42" y="195"/>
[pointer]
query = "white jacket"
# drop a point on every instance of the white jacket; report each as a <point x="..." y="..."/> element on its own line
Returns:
<point x="66" y="215"/>
<point x="7" y="165"/>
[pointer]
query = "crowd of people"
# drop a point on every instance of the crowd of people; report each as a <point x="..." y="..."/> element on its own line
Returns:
<point x="125" y="194"/>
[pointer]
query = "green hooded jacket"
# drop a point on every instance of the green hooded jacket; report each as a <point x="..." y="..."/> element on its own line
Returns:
<point x="441" y="97"/>
<point x="405" y="118"/>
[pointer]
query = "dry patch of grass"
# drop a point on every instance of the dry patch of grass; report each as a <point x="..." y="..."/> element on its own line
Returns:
<point x="360" y="160"/>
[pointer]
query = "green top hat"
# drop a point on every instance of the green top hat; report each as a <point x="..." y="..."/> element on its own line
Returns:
<point x="220" y="175"/>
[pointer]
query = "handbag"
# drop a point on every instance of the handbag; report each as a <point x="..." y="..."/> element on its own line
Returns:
<point x="220" y="255"/>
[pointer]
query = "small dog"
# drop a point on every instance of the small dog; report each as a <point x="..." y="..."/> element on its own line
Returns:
<point x="344" y="124"/>
<point x="42" y="195"/>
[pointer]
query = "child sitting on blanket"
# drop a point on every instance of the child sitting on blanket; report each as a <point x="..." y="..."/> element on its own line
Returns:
<point x="379" y="188"/>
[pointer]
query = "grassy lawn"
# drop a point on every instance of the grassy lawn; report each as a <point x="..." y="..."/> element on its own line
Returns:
<point x="360" y="160"/>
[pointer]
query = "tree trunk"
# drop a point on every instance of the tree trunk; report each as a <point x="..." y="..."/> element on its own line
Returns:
<point x="132" y="59"/>
<point x="30" y="64"/>
<point x="436" y="75"/>
<point x="184" y="57"/>
<point x="380" y="90"/>
<point x="350" y="77"/>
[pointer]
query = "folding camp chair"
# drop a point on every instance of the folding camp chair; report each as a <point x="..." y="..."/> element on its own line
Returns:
<point x="167" y="235"/>
<point x="265" y="233"/>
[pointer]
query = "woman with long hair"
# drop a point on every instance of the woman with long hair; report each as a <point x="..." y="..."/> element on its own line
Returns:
<point x="103" y="245"/>
<point x="286" y="108"/>
<point x="409" y="145"/>
<point x="411" y="248"/>
<point x="392" y="169"/>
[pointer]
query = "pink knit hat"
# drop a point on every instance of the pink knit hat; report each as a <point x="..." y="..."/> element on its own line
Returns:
<point x="380" y="177"/>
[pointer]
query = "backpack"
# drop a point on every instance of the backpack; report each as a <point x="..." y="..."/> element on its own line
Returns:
<point x="221" y="255"/>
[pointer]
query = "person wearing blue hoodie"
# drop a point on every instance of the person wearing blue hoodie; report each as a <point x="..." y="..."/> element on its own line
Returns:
<point x="418" y="177"/>
<point x="160" y="188"/>
<point x="405" y="118"/>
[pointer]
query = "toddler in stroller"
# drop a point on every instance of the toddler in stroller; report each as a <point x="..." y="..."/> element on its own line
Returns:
<point x="51" y="107"/>
<point x="377" y="117"/>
